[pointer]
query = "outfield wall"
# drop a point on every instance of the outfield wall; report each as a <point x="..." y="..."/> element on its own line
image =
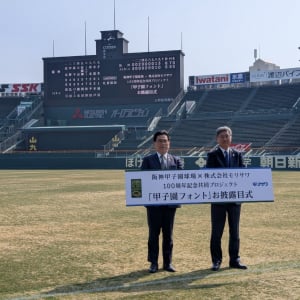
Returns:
<point x="94" y="160"/>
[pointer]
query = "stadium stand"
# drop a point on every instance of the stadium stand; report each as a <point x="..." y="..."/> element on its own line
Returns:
<point x="266" y="116"/>
<point x="274" y="97"/>
<point x="261" y="116"/>
<point x="7" y="104"/>
<point x="21" y="112"/>
<point x="220" y="100"/>
<point x="288" y="135"/>
<point x="66" y="138"/>
<point x="109" y="105"/>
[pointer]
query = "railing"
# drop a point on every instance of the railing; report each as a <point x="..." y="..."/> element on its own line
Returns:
<point x="202" y="152"/>
<point x="296" y="105"/>
<point x="175" y="102"/>
<point x="10" y="141"/>
<point x="12" y="124"/>
<point x="158" y="114"/>
<point x="113" y="143"/>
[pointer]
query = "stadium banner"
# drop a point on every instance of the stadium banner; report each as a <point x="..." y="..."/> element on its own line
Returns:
<point x="22" y="88"/>
<point x="173" y="187"/>
<point x="278" y="74"/>
<point x="237" y="77"/>
<point x="212" y="79"/>
<point x="217" y="79"/>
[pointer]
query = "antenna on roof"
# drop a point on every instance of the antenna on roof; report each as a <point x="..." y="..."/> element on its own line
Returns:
<point x="148" y="35"/>
<point x="85" y="37"/>
<point x="53" y="48"/>
<point x="181" y="41"/>
<point x="114" y="14"/>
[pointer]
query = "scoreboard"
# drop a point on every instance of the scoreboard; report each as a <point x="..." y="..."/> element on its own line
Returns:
<point x="71" y="78"/>
<point x="142" y="75"/>
<point x="118" y="79"/>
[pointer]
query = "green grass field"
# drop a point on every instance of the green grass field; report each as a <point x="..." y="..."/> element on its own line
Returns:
<point x="68" y="235"/>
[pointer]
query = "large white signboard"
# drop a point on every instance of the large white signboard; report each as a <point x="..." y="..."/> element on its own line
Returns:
<point x="172" y="187"/>
<point x="278" y="74"/>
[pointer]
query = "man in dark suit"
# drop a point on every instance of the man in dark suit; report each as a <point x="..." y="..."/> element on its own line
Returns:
<point x="161" y="217"/>
<point x="225" y="157"/>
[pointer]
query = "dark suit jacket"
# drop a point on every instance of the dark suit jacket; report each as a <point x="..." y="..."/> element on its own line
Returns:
<point x="216" y="159"/>
<point x="151" y="162"/>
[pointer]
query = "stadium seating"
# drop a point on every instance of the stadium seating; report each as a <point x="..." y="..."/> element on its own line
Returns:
<point x="7" y="105"/>
<point x="222" y="100"/>
<point x="265" y="117"/>
<point x="260" y="116"/>
<point x="275" y="97"/>
<point x="289" y="135"/>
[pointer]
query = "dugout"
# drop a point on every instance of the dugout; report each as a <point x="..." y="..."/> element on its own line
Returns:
<point x="70" y="138"/>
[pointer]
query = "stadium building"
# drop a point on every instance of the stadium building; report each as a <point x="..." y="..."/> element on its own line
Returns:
<point x="100" y="111"/>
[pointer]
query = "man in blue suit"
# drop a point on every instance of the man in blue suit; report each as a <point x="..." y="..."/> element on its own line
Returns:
<point x="225" y="157"/>
<point x="161" y="217"/>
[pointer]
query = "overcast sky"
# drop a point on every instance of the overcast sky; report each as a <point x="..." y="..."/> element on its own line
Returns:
<point x="217" y="36"/>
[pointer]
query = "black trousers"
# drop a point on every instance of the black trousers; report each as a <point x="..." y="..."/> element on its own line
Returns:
<point x="218" y="219"/>
<point x="160" y="218"/>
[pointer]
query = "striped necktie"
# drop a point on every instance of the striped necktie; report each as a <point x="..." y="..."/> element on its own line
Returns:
<point x="162" y="162"/>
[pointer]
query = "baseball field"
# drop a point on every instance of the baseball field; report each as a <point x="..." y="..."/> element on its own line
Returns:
<point x="67" y="234"/>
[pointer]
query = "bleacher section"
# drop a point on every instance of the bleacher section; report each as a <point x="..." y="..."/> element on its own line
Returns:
<point x="132" y="138"/>
<point x="265" y="97"/>
<point x="256" y="132"/>
<point x="138" y="135"/>
<point x="289" y="135"/>
<point x="265" y="116"/>
<point x="274" y="97"/>
<point x="260" y="116"/>
<point x="7" y="105"/>
<point x="195" y="133"/>
<point x="20" y="111"/>
<point x="221" y="100"/>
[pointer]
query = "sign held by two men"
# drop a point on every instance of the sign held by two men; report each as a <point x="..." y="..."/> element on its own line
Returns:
<point x="174" y="187"/>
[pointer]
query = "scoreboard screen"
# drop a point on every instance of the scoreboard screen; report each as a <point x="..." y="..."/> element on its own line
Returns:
<point x="132" y="78"/>
<point x="72" y="78"/>
<point x="143" y="76"/>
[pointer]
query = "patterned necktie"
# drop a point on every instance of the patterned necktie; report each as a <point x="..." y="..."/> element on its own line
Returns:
<point x="162" y="162"/>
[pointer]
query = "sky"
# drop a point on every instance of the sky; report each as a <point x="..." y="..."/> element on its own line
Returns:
<point x="216" y="36"/>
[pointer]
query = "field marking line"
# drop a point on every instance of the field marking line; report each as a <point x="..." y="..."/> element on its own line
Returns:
<point x="155" y="282"/>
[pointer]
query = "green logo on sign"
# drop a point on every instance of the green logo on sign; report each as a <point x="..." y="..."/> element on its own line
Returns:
<point x="136" y="188"/>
